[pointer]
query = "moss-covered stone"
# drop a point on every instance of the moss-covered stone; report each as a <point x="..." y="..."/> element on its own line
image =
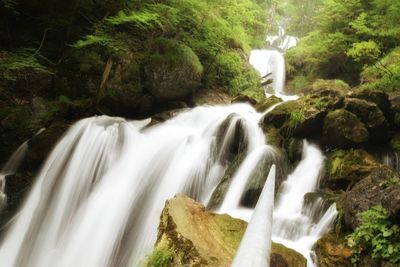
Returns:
<point x="332" y="250"/>
<point x="346" y="167"/>
<point x="372" y="117"/>
<point x="395" y="143"/>
<point x="268" y="103"/>
<point x="337" y="86"/>
<point x="379" y="98"/>
<point x="381" y="187"/>
<point x="196" y="237"/>
<point x="342" y="129"/>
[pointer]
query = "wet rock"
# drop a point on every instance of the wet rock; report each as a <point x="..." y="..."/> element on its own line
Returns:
<point x="223" y="186"/>
<point x="372" y="117"/>
<point x="318" y="203"/>
<point x="193" y="236"/>
<point x="343" y="129"/>
<point x="332" y="250"/>
<point x="333" y="88"/>
<point x="259" y="176"/>
<point x="231" y="138"/>
<point x="346" y="167"/>
<point x="211" y="96"/>
<point x="294" y="149"/>
<point x="371" y="191"/>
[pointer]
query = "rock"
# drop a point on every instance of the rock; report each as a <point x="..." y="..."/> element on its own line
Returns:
<point x="231" y="138"/>
<point x="372" y="117"/>
<point x="244" y="99"/>
<point x="268" y="103"/>
<point x="395" y="108"/>
<point x="318" y="202"/>
<point x="172" y="72"/>
<point x="294" y="149"/>
<point x="391" y="201"/>
<point x="192" y="236"/>
<point x="372" y="191"/>
<point x="223" y="186"/>
<point x="332" y="250"/>
<point x="342" y="129"/>
<point x="301" y="118"/>
<point x="395" y="143"/>
<point x="331" y="88"/>
<point x="381" y="99"/>
<point x="259" y="176"/>
<point x="211" y="96"/>
<point x="346" y="167"/>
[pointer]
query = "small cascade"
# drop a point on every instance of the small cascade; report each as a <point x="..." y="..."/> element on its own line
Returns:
<point x="389" y="158"/>
<point x="255" y="247"/>
<point x="9" y="168"/>
<point x="295" y="225"/>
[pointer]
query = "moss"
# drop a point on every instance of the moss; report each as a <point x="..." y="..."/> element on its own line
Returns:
<point x="338" y="85"/>
<point x="160" y="258"/>
<point x="267" y="103"/>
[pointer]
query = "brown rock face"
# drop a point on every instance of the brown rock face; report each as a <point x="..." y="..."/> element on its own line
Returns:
<point x="192" y="236"/>
<point x="332" y="251"/>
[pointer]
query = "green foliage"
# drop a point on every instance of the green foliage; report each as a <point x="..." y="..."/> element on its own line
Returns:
<point x="12" y="62"/>
<point x="383" y="74"/>
<point x="160" y="258"/>
<point x="376" y="234"/>
<point x="296" y="117"/>
<point x="347" y="37"/>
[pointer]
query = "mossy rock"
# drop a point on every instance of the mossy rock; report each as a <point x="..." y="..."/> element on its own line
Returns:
<point x="343" y="129"/>
<point x="294" y="149"/>
<point x="319" y="202"/>
<point x="301" y="118"/>
<point x="244" y="99"/>
<point x="322" y="86"/>
<point x="395" y="108"/>
<point x="188" y="235"/>
<point x="372" y="117"/>
<point x="346" y="167"/>
<point x="332" y="250"/>
<point x="172" y="71"/>
<point x="379" y="98"/>
<point x="381" y="187"/>
<point x="268" y="103"/>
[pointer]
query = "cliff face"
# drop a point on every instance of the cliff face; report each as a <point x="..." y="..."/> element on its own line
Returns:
<point x="189" y="235"/>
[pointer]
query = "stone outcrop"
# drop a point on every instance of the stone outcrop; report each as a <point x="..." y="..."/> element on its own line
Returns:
<point x="191" y="236"/>
<point x="332" y="250"/>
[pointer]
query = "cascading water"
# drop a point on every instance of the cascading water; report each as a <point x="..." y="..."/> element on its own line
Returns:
<point x="296" y="226"/>
<point x="98" y="198"/>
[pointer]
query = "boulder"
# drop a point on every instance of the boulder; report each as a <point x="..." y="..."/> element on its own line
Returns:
<point x="382" y="183"/>
<point x="372" y="117"/>
<point x="173" y="71"/>
<point x="244" y="99"/>
<point x="381" y="99"/>
<point x="332" y="250"/>
<point x="343" y="129"/>
<point x="211" y="96"/>
<point x="188" y="235"/>
<point x="346" y="167"/>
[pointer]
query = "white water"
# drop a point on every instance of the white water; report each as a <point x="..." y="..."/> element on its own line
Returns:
<point x="293" y="224"/>
<point x="9" y="168"/>
<point x="255" y="248"/>
<point x="98" y="198"/>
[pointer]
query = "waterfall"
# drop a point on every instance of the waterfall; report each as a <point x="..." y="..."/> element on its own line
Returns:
<point x="98" y="197"/>
<point x="294" y="225"/>
<point x="255" y="247"/>
<point x="97" y="200"/>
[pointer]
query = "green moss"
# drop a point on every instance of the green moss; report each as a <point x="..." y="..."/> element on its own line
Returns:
<point x="395" y="142"/>
<point x="337" y="162"/>
<point x="160" y="258"/>
<point x="175" y="54"/>
<point x="296" y="118"/>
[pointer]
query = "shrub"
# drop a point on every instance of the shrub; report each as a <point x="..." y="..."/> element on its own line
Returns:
<point x="376" y="235"/>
